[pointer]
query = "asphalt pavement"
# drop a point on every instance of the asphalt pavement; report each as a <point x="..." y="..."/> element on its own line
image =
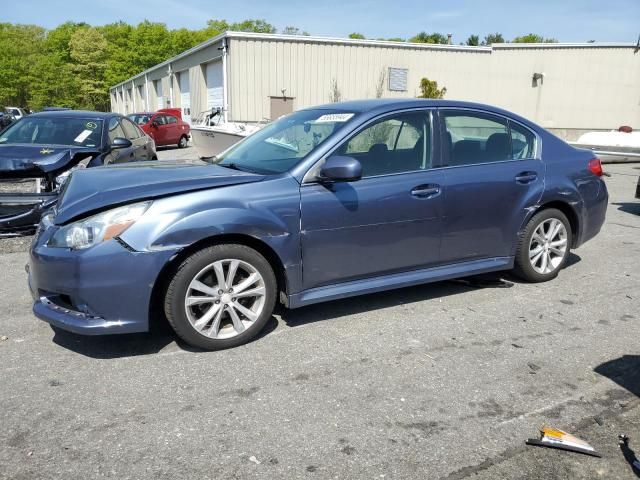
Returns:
<point x="437" y="381"/>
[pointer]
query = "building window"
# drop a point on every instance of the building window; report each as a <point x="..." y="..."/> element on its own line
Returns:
<point x="398" y="79"/>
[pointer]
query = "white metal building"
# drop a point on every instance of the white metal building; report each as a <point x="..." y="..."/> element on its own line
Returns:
<point x="568" y="88"/>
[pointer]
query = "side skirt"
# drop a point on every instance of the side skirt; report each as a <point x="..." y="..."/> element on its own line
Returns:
<point x="398" y="280"/>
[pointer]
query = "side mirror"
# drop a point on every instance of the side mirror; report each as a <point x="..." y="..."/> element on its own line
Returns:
<point x="340" y="168"/>
<point x="120" y="142"/>
<point x="154" y="124"/>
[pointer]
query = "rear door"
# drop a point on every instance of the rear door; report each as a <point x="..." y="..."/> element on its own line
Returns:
<point x="173" y="129"/>
<point x="136" y="136"/>
<point x="493" y="175"/>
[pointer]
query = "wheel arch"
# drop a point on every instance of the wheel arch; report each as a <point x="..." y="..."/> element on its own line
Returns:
<point x="156" y="310"/>
<point x="570" y="213"/>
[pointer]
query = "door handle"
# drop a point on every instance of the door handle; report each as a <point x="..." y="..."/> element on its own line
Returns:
<point x="526" y="177"/>
<point x="425" y="191"/>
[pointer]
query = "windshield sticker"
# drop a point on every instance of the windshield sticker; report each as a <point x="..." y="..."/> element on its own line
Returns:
<point x="83" y="136"/>
<point x="91" y="125"/>
<point x="335" y="117"/>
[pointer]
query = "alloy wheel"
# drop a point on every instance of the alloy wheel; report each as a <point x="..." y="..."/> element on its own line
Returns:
<point x="548" y="246"/>
<point x="225" y="298"/>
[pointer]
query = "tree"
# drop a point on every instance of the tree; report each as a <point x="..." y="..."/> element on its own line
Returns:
<point x="429" y="89"/>
<point x="381" y="81"/>
<point x="493" y="38"/>
<point x="334" y="93"/>
<point x="257" y="26"/>
<point x="533" y="38"/>
<point x="424" y="37"/>
<point x="89" y="51"/>
<point x="21" y="47"/>
<point x="357" y="36"/>
<point x="473" y="40"/>
<point x="393" y="39"/>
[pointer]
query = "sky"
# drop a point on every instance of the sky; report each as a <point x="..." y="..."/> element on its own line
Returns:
<point x="566" y="20"/>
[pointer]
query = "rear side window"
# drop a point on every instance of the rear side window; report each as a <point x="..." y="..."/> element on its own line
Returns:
<point x="523" y="142"/>
<point x="130" y="129"/>
<point x="476" y="138"/>
<point x="115" y="130"/>
<point x="171" y="119"/>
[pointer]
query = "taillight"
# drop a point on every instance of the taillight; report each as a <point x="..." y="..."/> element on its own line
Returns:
<point x="595" y="166"/>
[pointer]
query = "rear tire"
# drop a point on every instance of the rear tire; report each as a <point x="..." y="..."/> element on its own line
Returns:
<point x="182" y="143"/>
<point x="221" y="296"/>
<point x="544" y="246"/>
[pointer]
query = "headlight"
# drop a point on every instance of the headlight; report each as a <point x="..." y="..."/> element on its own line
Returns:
<point x="98" y="228"/>
<point x="64" y="176"/>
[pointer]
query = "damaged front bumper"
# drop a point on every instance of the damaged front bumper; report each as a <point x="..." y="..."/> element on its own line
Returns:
<point x="20" y="213"/>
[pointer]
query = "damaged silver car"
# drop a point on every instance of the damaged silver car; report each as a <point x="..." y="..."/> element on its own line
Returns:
<point x="40" y="151"/>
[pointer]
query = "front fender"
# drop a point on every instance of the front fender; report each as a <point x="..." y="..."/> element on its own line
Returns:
<point x="267" y="211"/>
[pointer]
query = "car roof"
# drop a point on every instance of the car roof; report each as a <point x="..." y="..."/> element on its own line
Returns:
<point x="75" y="114"/>
<point x="384" y="105"/>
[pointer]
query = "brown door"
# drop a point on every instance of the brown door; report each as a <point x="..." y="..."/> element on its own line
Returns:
<point x="281" y="106"/>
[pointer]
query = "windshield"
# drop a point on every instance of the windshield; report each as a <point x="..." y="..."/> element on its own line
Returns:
<point x="283" y="144"/>
<point x="76" y="132"/>
<point x="140" y="118"/>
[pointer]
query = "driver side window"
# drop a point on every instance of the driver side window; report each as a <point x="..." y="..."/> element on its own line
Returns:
<point x="397" y="144"/>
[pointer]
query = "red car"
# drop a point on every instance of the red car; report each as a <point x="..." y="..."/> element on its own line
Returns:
<point x="166" y="126"/>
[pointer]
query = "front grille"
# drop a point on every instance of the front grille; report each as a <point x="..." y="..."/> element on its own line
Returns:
<point x="19" y="185"/>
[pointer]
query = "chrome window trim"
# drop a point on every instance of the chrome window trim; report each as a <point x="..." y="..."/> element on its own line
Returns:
<point x="310" y="177"/>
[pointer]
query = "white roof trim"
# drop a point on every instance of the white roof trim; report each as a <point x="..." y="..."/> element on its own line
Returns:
<point x="371" y="43"/>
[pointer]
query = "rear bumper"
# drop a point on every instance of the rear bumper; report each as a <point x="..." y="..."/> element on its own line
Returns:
<point x="102" y="290"/>
<point x="20" y="213"/>
<point x="593" y="214"/>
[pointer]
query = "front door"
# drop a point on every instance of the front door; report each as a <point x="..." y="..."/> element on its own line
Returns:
<point x="390" y="220"/>
<point x="494" y="175"/>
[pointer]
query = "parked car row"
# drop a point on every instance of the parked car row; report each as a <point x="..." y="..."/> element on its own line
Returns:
<point x="40" y="151"/>
<point x="324" y="203"/>
<point x="165" y="126"/>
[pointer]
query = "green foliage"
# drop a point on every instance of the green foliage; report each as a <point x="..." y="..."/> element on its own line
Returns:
<point x="357" y="36"/>
<point x="294" y="31"/>
<point x="493" y="38"/>
<point x="424" y="37"/>
<point x="429" y="89"/>
<point x="393" y="39"/>
<point x="533" y="38"/>
<point x="74" y="64"/>
<point x="473" y="40"/>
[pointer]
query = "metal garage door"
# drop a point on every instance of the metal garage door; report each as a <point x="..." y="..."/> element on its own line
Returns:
<point x="159" y="97"/>
<point x="185" y="96"/>
<point x="214" y="80"/>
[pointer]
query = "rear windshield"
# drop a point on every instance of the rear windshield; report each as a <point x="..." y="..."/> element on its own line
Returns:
<point x="77" y="132"/>
<point x="140" y="118"/>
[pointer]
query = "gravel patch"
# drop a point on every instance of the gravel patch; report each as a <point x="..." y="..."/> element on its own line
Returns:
<point x="15" y="244"/>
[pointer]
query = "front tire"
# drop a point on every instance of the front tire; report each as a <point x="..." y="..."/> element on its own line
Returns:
<point x="221" y="296"/>
<point x="544" y="246"/>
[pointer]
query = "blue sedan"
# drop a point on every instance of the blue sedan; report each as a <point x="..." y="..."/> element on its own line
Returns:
<point x="325" y="203"/>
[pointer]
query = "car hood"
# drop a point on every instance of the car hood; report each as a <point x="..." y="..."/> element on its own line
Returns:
<point x="20" y="161"/>
<point x="100" y="188"/>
